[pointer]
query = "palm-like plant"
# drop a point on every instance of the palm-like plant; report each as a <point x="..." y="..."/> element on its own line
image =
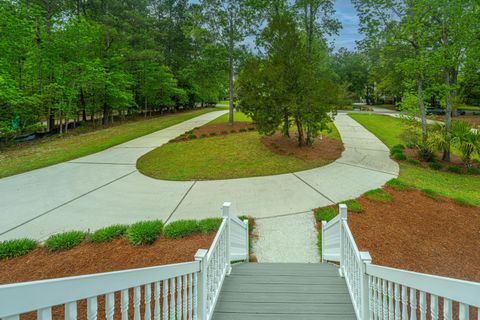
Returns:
<point x="466" y="140"/>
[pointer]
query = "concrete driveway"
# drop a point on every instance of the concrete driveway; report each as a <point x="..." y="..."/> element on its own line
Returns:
<point x="105" y="188"/>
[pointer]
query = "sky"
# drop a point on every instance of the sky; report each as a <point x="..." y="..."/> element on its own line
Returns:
<point x="347" y="15"/>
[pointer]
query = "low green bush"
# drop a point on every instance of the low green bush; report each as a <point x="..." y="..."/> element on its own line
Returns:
<point x="379" y="195"/>
<point x="64" y="241"/>
<point x="473" y="170"/>
<point x="213" y="134"/>
<point x="414" y="162"/>
<point x="397" y="149"/>
<point x="243" y="130"/>
<point x="181" y="229"/>
<point x="251" y="221"/>
<point x="455" y="169"/>
<point x="209" y="225"/>
<point x="203" y="135"/>
<point x="224" y="132"/>
<point x="353" y="205"/>
<point x="108" y="233"/>
<point x="431" y="194"/>
<point x="435" y="165"/>
<point x="396" y="184"/>
<point x="15" y="248"/>
<point x="233" y="131"/>
<point x="192" y="136"/>
<point x="325" y="214"/>
<point x="251" y="129"/>
<point x="399" y="156"/>
<point x="144" y="232"/>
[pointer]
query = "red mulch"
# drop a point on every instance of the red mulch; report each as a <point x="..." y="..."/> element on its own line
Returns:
<point x="104" y="257"/>
<point x="324" y="148"/>
<point x="417" y="233"/>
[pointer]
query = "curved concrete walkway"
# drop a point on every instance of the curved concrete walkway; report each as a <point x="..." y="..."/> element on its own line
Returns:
<point x="105" y="188"/>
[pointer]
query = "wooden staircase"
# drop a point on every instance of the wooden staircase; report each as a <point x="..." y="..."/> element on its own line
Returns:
<point x="284" y="291"/>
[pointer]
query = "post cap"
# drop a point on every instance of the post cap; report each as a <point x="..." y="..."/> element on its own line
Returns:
<point x="201" y="254"/>
<point x="227" y="204"/>
<point x="365" y="256"/>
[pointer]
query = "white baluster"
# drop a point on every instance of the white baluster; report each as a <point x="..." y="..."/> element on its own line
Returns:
<point x="195" y="296"/>
<point x="137" y="296"/>
<point x="434" y="306"/>
<point x="373" y="297"/>
<point x="124" y="304"/>
<point x="404" y="303"/>
<point x="423" y="305"/>
<point x="156" y="302"/>
<point x="172" y="299"/>
<point x="165" y="299"/>
<point x="71" y="311"/>
<point x="385" y="297"/>
<point x="447" y="309"/>
<point x="45" y="314"/>
<point x="179" y="298"/>
<point x="379" y="298"/>
<point x="397" y="301"/>
<point x="92" y="308"/>
<point x="413" y="304"/>
<point x="190" y="297"/>
<point x="185" y="298"/>
<point x="148" y="302"/>
<point x="391" y="310"/>
<point x="463" y="312"/>
<point x="109" y="306"/>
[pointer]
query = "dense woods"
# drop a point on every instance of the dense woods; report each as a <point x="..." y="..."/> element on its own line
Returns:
<point x="74" y="61"/>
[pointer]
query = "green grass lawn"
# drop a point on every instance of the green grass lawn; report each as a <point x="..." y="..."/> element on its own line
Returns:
<point x="222" y="157"/>
<point x="237" y="116"/>
<point x="49" y="151"/>
<point x="451" y="185"/>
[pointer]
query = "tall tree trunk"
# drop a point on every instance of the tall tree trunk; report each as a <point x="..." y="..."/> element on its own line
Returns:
<point x="230" y="89"/>
<point x="423" y="111"/>
<point x="301" y="134"/>
<point x="448" y="111"/>
<point x="286" y="125"/>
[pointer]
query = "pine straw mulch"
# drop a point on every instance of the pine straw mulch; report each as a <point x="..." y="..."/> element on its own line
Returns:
<point x="89" y="258"/>
<point x="324" y="147"/>
<point x="421" y="234"/>
<point x="215" y="129"/>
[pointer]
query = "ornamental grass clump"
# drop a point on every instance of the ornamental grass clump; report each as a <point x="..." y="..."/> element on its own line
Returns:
<point x="209" y="225"/>
<point x="144" y="232"/>
<point x="396" y="184"/>
<point x="325" y="214"/>
<point x="108" y="233"/>
<point x="379" y="195"/>
<point x="353" y="205"/>
<point x="15" y="248"/>
<point x="181" y="229"/>
<point x="64" y="241"/>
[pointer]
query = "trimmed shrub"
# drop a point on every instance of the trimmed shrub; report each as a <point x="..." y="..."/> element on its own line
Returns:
<point x="251" y="129"/>
<point x="64" y="241"/>
<point x="473" y="170"/>
<point x="353" y="205"/>
<point x="397" y="184"/>
<point x="213" y="134"/>
<point x="192" y="136"/>
<point x="379" y="195"/>
<point x="233" y="131"/>
<point x="181" y="229"/>
<point x="325" y="214"/>
<point x="435" y="165"/>
<point x="15" y="248"/>
<point x="397" y="149"/>
<point x="399" y="156"/>
<point x="455" y="169"/>
<point x="144" y="232"/>
<point x="108" y="233"/>
<point x="224" y="132"/>
<point x="203" y="135"/>
<point x="431" y="194"/>
<point x="209" y="225"/>
<point x="243" y="130"/>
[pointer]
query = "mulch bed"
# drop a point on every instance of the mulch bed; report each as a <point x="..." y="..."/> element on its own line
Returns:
<point x="473" y="120"/>
<point x="104" y="257"/>
<point x="417" y="233"/>
<point x="455" y="161"/>
<point x="324" y="147"/>
<point x="216" y="129"/>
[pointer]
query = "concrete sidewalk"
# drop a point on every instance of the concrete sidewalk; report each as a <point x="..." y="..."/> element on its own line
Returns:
<point x="105" y="188"/>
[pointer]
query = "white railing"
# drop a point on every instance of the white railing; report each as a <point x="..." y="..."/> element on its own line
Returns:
<point x="177" y="291"/>
<point x="386" y="293"/>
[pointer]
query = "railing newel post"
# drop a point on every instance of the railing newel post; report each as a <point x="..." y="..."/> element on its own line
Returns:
<point x="322" y="239"/>
<point x="364" y="286"/>
<point x="227" y="214"/>
<point x="247" y="233"/>
<point x="201" y="256"/>
<point x="342" y="211"/>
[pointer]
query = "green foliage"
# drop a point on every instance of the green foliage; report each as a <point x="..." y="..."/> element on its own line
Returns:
<point x="192" y="136"/>
<point x="473" y="170"/>
<point x="64" y="241"/>
<point x="209" y="225"/>
<point x="108" y="233"/>
<point x="399" y="156"/>
<point x="431" y="194"/>
<point x="15" y="248"/>
<point x="397" y="148"/>
<point x="379" y="195"/>
<point x="414" y="162"/>
<point x="435" y="165"/>
<point x="144" y="232"/>
<point x="455" y="169"/>
<point x="463" y="201"/>
<point x="397" y="184"/>
<point x="353" y="205"/>
<point x="181" y="229"/>
<point x="325" y="214"/>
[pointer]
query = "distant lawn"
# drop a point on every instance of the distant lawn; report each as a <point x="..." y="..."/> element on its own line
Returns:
<point x="38" y="154"/>
<point x="451" y="185"/>
<point x="238" y="116"/>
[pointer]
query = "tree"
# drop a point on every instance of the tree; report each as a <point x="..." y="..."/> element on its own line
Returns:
<point x="232" y="21"/>
<point x="283" y="85"/>
<point x="352" y="70"/>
